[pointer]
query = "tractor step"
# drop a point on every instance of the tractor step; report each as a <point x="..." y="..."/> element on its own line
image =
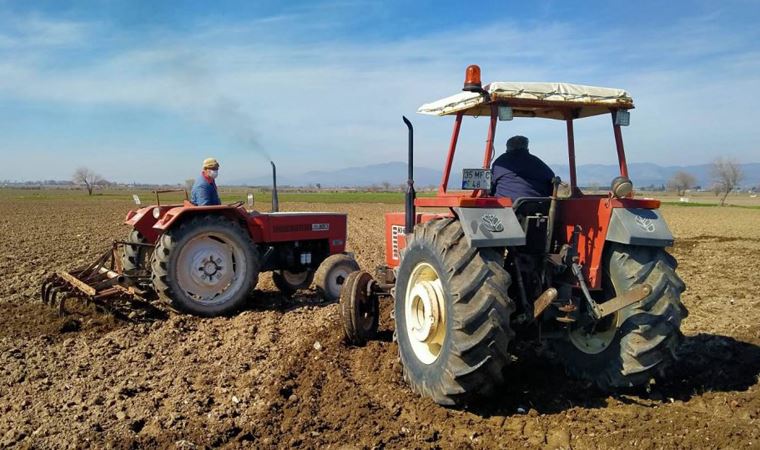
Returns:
<point x="568" y="309"/>
<point x="565" y="319"/>
<point x="543" y="301"/>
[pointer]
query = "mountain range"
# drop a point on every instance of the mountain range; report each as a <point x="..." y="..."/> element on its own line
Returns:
<point x="394" y="174"/>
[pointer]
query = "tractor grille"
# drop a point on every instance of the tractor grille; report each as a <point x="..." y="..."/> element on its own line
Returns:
<point x="395" y="231"/>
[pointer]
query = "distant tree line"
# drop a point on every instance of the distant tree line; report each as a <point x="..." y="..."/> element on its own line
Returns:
<point x="726" y="175"/>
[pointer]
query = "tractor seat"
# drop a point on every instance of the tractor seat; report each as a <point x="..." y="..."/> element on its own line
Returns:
<point x="533" y="215"/>
<point x="530" y="206"/>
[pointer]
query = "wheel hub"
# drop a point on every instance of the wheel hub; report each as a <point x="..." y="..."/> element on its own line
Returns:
<point x="425" y="310"/>
<point x="210" y="268"/>
<point x="426" y="316"/>
<point x="337" y="278"/>
<point x="596" y="339"/>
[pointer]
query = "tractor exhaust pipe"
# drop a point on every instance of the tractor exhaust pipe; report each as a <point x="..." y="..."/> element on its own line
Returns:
<point x="275" y="197"/>
<point x="410" y="194"/>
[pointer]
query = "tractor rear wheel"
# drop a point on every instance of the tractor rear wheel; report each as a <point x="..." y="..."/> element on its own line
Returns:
<point x="452" y="314"/>
<point x="136" y="257"/>
<point x="332" y="273"/>
<point x="289" y="282"/>
<point x="638" y="342"/>
<point x="205" y="266"/>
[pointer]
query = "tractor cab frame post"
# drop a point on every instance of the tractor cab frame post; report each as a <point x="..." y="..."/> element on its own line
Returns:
<point x="450" y="155"/>
<point x="571" y="151"/>
<point x="619" y="145"/>
<point x="488" y="154"/>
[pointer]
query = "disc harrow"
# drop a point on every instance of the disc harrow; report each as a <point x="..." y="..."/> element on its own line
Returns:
<point x="104" y="284"/>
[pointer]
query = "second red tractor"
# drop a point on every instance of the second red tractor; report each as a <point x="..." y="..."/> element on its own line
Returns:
<point x="587" y="274"/>
<point x="206" y="260"/>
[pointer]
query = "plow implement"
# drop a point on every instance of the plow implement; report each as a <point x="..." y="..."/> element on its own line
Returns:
<point x="104" y="284"/>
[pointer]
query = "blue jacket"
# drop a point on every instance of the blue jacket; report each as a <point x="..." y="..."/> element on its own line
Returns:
<point x="517" y="174"/>
<point x="204" y="193"/>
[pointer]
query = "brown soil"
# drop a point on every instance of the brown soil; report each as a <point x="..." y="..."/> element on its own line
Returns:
<point x="259" y="379"/>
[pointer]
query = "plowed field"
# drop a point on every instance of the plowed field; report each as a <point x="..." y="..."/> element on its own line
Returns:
<point x="279" y="375"/>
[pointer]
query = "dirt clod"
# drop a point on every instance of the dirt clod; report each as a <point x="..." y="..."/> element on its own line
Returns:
<point x="70" y="325"/>
<point x="558" y="439"/>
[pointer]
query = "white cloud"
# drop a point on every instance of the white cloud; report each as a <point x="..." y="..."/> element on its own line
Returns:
<point x="30" y="32"/>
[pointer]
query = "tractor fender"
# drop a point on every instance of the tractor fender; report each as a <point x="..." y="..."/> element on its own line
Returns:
<point x="639" y="226"/>
<point x="491" y="227"/>
<point x="178" y="213"/>
<point x="142" y="220"/>
<point x="138" y="216"/>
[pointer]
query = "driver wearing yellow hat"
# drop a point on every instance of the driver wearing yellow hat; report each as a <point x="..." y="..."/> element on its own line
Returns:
<point x="204" y="191"/>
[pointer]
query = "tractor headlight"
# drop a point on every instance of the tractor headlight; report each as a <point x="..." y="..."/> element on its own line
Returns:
<point x="621" y="187"/>
<point x="156" y="213"/>
<point x="622" y="118"/>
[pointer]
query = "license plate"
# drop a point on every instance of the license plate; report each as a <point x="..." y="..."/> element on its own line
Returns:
<point x="476" y="179"/>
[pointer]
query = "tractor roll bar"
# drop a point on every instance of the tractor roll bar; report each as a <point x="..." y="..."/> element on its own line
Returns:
<point x="450" y="155"/>
<point x="409" y="210"/>
<point x="571" y="151"/>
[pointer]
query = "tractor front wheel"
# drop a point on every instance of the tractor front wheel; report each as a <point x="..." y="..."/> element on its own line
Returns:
<point x="635" y="344"/>
<point x="205" y="266"/>
<point x="452" y="314"/>
<point x="332" y="273"/>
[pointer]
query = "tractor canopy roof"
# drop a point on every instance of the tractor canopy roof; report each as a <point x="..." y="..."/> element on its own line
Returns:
<point x="546" y="100"/>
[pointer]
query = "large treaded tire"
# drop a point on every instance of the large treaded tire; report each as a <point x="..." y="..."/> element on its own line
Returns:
<point x="474" y="282"/>
<point x="648" y="332"/>
<point x="165" y="267"/>
<point x="135" y="257"/>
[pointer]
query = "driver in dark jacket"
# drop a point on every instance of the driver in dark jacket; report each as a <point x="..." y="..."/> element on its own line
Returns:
<point x="517" y="173"/>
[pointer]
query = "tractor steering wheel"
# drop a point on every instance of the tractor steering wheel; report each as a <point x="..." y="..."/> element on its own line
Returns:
<point x="236" y="204"/>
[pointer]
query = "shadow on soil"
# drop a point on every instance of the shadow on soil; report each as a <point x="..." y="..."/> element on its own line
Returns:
<point x="706" y="363"/>
<point x="34" y="318"/>
<point x="141" y="311"/>
<point x="276" y="301"/>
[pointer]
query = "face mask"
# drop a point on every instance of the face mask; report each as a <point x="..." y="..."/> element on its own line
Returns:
<point x="213" y="174"/>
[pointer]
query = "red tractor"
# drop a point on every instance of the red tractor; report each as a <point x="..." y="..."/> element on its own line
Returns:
<point x="206" y="260"/>
<point x="586" y="274"/>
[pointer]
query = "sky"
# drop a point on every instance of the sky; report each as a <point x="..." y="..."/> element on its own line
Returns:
<point x="143" y="91"/>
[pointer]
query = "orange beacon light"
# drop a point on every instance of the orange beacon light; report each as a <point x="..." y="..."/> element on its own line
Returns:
<point x="472" y="79"/>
